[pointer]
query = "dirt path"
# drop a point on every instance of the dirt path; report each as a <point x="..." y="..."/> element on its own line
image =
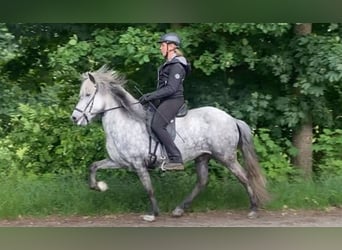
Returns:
<point x="288" y="218"/>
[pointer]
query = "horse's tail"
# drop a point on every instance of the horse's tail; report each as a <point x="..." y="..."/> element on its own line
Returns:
<point x="254" y="173"/>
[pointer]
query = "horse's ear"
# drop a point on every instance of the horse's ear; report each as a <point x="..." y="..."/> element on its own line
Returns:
<point x="91" y="77"/>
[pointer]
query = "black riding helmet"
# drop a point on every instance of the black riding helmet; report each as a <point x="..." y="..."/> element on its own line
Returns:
<point x="170" y="38"/>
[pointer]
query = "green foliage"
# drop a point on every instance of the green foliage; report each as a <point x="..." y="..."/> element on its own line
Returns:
<point x="280" y="64"/>
<point x="328" y="149"/>
<point x="292" y="111"/>
<point x="9" y="97"/>
<point x="318" y="66"/>
<point x="138" y="46"/>
<point x="43" y="140"/>
<point x="104" y="46"/>
<point x="276" y="29"/>
<point x="308" y="65"/>
<point x="8" y="48"/>
<point x="320" y="61"/>
<point x="206" y="63"/>
<point x="233" y="44"/>
<point x="274" y="158"/>
<point x="257" y="106"/>
<point x="64" y="58"/>
<point x="8" y="93"/>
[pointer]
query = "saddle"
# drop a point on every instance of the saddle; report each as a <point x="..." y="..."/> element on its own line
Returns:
<point x="171" y="129"/>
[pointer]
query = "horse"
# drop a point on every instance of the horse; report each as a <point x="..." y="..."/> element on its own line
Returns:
<point x="204" y="133"/>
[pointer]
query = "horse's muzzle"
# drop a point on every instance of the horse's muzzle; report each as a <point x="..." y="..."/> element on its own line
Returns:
<point x="73" y="118"/>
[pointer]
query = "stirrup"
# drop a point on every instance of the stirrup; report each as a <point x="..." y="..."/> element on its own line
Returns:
<point x="162" y="165"/>
<point x="177" y="166"/>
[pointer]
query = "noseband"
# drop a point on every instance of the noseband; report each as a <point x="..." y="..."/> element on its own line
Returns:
<point x="90" y="104"/>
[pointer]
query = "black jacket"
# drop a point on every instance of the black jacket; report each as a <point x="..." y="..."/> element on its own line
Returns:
<point x="170" y="79"/>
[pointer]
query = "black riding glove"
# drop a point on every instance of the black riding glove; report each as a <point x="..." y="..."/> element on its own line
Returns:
<point x="145" y="99"/>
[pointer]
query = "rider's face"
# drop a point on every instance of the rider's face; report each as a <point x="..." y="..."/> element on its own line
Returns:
<point x="163" y="48"/>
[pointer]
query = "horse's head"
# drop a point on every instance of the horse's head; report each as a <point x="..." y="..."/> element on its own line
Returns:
<point x="90" y="104"/>
<point x="102" y="91"/>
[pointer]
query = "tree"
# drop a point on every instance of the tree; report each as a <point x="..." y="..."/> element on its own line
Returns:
<point x="303" y="135"/>
<point x="318" y="72"/>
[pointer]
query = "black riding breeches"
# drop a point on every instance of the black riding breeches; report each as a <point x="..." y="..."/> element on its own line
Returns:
<point x="167" y="111"/>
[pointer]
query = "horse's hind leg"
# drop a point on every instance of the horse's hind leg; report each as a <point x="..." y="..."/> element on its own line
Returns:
<point x="241" y="175"/>
<point x="202" y="180"/>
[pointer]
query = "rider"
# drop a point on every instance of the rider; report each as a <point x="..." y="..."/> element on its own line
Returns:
<point x="170" y="95"/>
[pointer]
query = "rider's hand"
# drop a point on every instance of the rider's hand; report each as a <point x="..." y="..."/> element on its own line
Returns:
<point x="144" y="99"/>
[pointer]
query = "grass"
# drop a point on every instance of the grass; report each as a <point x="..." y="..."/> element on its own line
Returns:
<point x="320" y="194"/>
<point x="41" y="196"/>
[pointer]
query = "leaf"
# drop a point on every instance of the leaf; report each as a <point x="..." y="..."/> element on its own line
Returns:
<point x="146" y="58"/>
<point x="73" y="42"/>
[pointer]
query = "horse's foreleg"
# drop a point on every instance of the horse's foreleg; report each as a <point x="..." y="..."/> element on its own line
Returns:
<point x="202" y="180"/>
<point x="104" y="164"/>
<point x="145" y="179"/>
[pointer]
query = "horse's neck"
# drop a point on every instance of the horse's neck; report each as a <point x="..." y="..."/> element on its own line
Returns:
<point x="119" y="120"/>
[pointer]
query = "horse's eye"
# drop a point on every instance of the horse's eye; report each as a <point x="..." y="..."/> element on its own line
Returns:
<point x="87" y="95"/>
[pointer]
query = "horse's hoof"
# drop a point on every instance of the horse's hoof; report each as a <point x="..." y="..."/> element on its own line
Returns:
<point x="102" y="186"/>
<point x="177" y="212"/>
<point x="149" y="218"/>
<point x="252" y="215"/>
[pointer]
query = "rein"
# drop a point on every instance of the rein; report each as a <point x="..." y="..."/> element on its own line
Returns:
<point x="106" y="110"/>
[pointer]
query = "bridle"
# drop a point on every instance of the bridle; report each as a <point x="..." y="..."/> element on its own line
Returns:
<point x="90" y="104"/>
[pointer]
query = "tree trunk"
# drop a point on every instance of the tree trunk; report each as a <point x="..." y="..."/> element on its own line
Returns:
<point x="302" y="138"/>
<point x="303" y="29"/>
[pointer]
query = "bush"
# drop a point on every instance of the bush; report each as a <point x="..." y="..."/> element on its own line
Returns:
<point x="43" y="140"/>
<point x="328" y="150"/>
<point x="272" y="158"/>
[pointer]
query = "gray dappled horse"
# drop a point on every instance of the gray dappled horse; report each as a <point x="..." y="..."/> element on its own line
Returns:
<point x="205" y="132"/>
